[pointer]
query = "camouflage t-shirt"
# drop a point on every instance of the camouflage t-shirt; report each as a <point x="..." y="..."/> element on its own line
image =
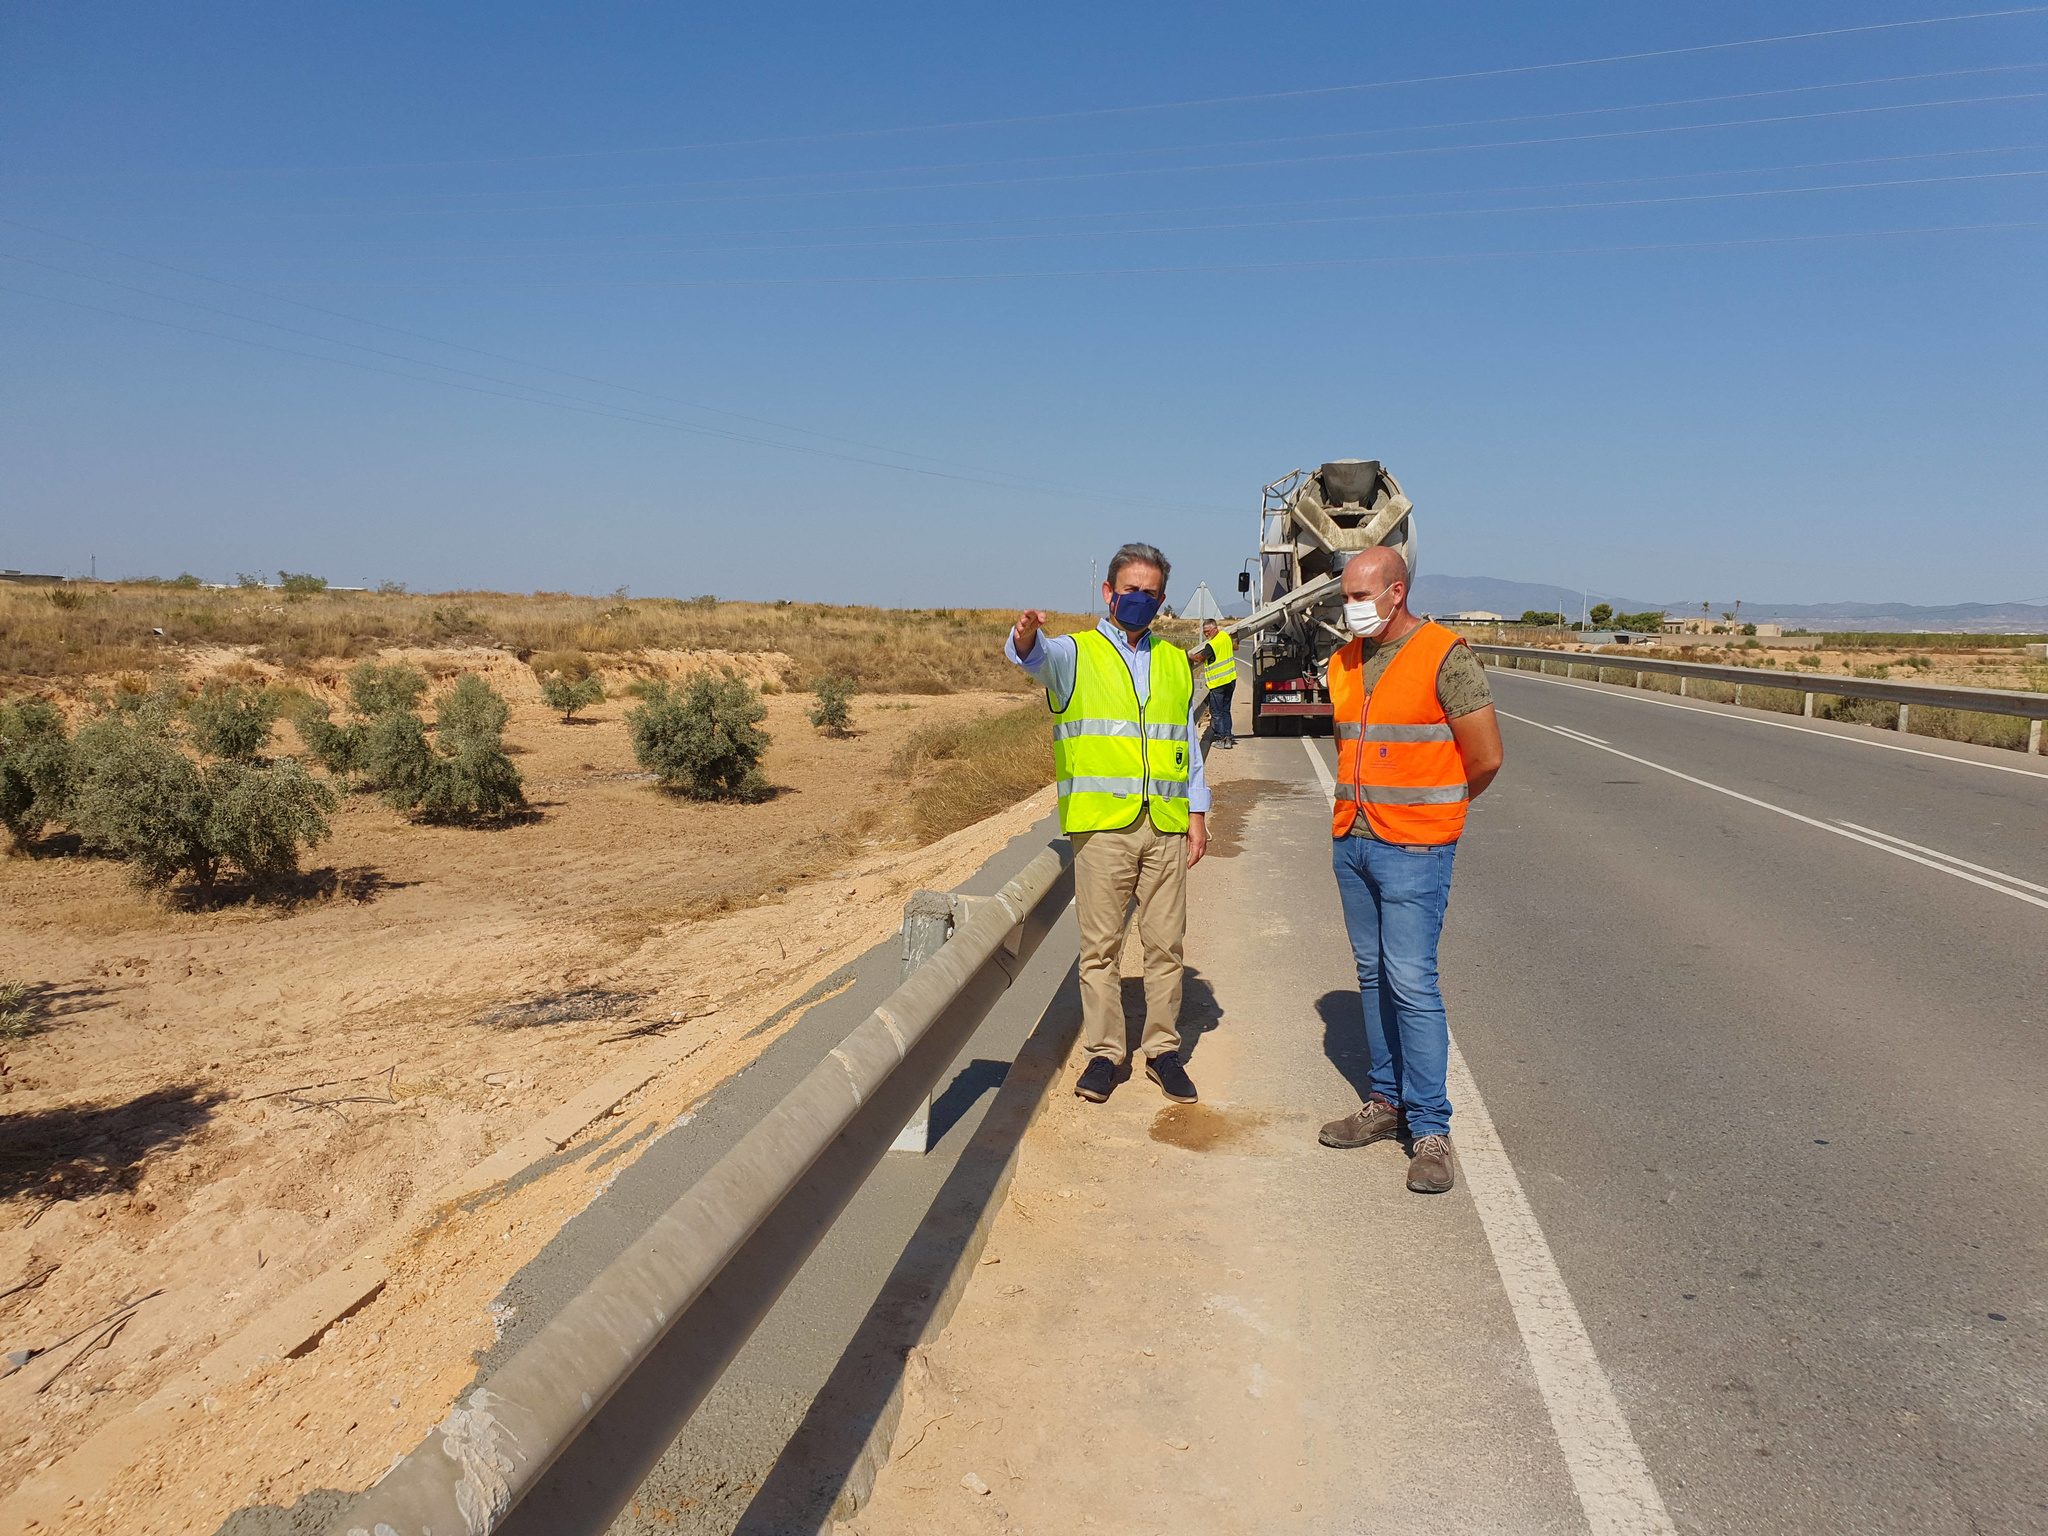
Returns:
<point x="1460" y="682"/>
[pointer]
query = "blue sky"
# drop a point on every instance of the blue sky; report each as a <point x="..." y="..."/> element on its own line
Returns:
<point x="283" y="285"/>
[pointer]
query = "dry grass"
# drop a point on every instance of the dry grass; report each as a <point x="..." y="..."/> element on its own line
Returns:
<point x="113" y="628"/>
<point x="973" y="769"/>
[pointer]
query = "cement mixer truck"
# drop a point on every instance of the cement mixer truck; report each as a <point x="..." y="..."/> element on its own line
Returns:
<point x="1312" y="523"/>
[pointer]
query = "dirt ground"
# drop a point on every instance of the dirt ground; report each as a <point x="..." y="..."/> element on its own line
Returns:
<point x="224" y="1103"/>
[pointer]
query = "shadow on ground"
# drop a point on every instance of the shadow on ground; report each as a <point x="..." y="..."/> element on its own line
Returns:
<point x="78" y="1150"/>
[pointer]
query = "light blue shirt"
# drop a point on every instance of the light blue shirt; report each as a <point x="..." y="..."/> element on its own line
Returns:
<point x="1055" y="661"/>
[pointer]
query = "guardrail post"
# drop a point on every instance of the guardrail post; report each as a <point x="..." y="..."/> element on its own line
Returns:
<point x="2034" y="737"/>
<point x="929" y="918"/>
<point x="1808" y="711"/>
<point x="927" y="924"/>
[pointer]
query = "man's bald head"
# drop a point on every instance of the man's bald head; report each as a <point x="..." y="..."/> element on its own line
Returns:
<point x="1371" y="571"/>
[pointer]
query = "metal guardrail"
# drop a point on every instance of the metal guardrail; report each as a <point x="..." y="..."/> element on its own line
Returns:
<point x="1984" y="701"/>
<point x="514" y="1455"/>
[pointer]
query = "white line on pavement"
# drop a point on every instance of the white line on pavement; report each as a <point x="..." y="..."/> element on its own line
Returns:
<point x="1607" y="1469"/>
<point x="1825" y="826"/>
<point x="1637" y="696"/>
<point x="1996" y="874"/>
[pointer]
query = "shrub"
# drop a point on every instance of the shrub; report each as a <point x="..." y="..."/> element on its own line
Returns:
<point x="142" y="800"/>
<point x="568" y="682"/>
<point x="17" y="1016"/>
<point x="341" y="749"/>
<point x="375" y="690"/>
<point x="376" y="694"/>
<point x="833" y="694"/>
<point x="397" y="757"/>
<point x="69" y="598"/>
<point x="464" y="773"/>
<point x="704" y="740"/>
<point x="35" y="768"/>
<point x="233" y="721"/>
<point x="300" y="585"/>
<point x="257" y="818"/>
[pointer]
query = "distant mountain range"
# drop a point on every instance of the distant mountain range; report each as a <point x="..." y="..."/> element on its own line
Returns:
<point x="1460" y="594"/>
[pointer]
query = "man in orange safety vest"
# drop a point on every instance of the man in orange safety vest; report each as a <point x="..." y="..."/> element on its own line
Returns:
<point x="1417" y="742"/>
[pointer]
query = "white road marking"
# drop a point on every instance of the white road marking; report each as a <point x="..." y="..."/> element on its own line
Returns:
<point x="1598" y="741"/>
<point x="1637" y="696"/>
<point x="1996" y="874"/>
<point x="1607" y="1469"/>
<point x="1825" y="826"/>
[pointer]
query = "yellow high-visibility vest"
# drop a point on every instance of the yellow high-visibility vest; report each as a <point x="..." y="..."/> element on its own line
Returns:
<point x="1112" y="754"/>
<point x="1222" y="669"/>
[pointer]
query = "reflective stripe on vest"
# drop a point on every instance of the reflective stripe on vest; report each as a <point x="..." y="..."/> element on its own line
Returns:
<point x="1398" y="761"/>
<point x="1110" y="752"/>
<point x="1222" y="669"/>
<point x="1349" y="730"/>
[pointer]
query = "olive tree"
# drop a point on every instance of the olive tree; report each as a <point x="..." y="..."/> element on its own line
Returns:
<point x="231" y="721"/>
<point x="703" y="741"/>
<point x="36" y="768"/>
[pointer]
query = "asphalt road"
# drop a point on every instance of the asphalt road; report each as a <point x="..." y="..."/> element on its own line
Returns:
<point x="1775" y="1096"/>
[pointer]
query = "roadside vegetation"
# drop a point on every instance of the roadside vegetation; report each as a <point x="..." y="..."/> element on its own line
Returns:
<point x="703" y="740"/>
<point x="967" y="770"/>
<point x="70" y="633"/>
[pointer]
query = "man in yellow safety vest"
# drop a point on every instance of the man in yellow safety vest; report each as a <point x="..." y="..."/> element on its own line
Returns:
<point x="1134" y="800"/>
<point x="1217" y="656"/>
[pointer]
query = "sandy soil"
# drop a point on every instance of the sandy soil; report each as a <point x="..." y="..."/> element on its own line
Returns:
<point x="226" y="1102"/>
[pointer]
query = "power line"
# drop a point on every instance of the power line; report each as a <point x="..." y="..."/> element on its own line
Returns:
<point x="1051" y="218"/>
<point x="1231" y="165"/>
<point x="1286" y="266"/>
<point x="1156" y="231"/>
<point x="1305" y="138"/>
<point x="1165" y="106"/>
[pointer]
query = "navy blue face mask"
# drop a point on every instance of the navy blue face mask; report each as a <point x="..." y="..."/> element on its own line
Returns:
<point x="1135" y="610"/>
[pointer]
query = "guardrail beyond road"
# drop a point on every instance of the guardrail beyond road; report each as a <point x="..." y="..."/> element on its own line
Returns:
<point x="1984" y="701"/>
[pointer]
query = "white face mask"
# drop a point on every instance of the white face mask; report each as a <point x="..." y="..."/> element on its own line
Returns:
<point x="1365" y="619"/>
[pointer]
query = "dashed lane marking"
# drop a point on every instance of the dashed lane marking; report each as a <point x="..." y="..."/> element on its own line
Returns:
<point x="1606" y="1465"/>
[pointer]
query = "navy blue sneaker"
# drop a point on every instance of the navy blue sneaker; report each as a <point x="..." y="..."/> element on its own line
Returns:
<point x="1098" y="1079"/>
<point x="1173" y="1080"/>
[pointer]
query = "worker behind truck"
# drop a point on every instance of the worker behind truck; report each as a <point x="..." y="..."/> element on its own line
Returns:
<point x="1216" y="656"/>
<point x="1417" y="742"/>
<point x="1134" y="801"/>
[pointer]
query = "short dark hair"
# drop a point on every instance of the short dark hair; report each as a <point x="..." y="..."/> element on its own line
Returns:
<point x="1140" y="554"/>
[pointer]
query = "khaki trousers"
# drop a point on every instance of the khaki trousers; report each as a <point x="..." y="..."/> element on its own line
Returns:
<point x="1109" y="869"/>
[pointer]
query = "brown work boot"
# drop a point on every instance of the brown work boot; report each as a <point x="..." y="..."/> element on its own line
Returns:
<point x="1431" y="1169"/>
<point x="1376" y="1120"/>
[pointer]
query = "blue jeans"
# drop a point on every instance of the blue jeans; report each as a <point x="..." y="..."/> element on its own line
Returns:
<point x="1219" y="710"/>
<point x="1394" y="900"/>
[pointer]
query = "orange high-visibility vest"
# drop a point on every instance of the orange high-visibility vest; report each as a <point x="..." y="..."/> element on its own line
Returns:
<point x="1396" y="755"/>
